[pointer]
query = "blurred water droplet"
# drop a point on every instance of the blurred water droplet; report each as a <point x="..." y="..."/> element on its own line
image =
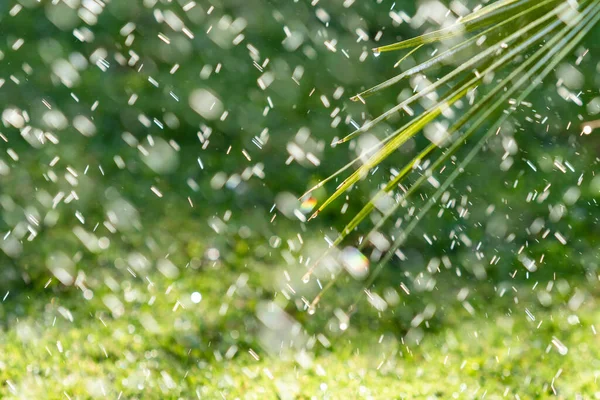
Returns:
<point x="196" y="297"/>
<point x="308" y="204"/>
<point x="355" y="262"/>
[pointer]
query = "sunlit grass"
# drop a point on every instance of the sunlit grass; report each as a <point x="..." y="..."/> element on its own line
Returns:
<point x="482" y="348"/>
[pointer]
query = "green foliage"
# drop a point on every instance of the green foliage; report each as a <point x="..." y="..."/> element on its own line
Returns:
<point x="549" y="31"/>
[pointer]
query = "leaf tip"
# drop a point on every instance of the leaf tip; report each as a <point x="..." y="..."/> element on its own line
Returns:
<point x="358" y="97"/>
<point x="315" y="302"/>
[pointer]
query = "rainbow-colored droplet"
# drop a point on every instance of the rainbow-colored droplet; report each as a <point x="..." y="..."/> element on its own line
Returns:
<point x="308" y="204"/>
<point x="355" y="262"/>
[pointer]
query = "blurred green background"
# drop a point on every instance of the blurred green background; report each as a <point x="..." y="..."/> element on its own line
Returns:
<point x="147" y="146"/>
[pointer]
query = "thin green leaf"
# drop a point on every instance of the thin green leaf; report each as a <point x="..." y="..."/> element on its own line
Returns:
<point x="429" y="116"/>
<point x="467" y="66"/>
<point x="554" y="45"/>
<point x="448" y="53"/>
<point x="492" y="14"/>
<point x="410" y="53"/>
<point x="551" y="61"/>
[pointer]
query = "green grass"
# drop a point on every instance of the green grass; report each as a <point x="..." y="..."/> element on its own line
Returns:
<point x="201" y="350"/>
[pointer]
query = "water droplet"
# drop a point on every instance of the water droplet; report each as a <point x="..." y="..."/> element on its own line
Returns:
<point x="355" y="262"/>
<point x="308" y="204"/>
<point x="376" y="52"/>
<point x="196" y="297"/>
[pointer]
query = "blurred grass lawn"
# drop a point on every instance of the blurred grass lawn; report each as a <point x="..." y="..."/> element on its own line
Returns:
<point x="156" y="343"/>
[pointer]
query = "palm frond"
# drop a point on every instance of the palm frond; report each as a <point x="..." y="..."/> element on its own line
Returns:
<point x="552" y="21"/>
<point x="416" y="125"/>
<point x="492" y="14"/>
<point x="452" y="52"/>
<point x="561" y="27"/>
